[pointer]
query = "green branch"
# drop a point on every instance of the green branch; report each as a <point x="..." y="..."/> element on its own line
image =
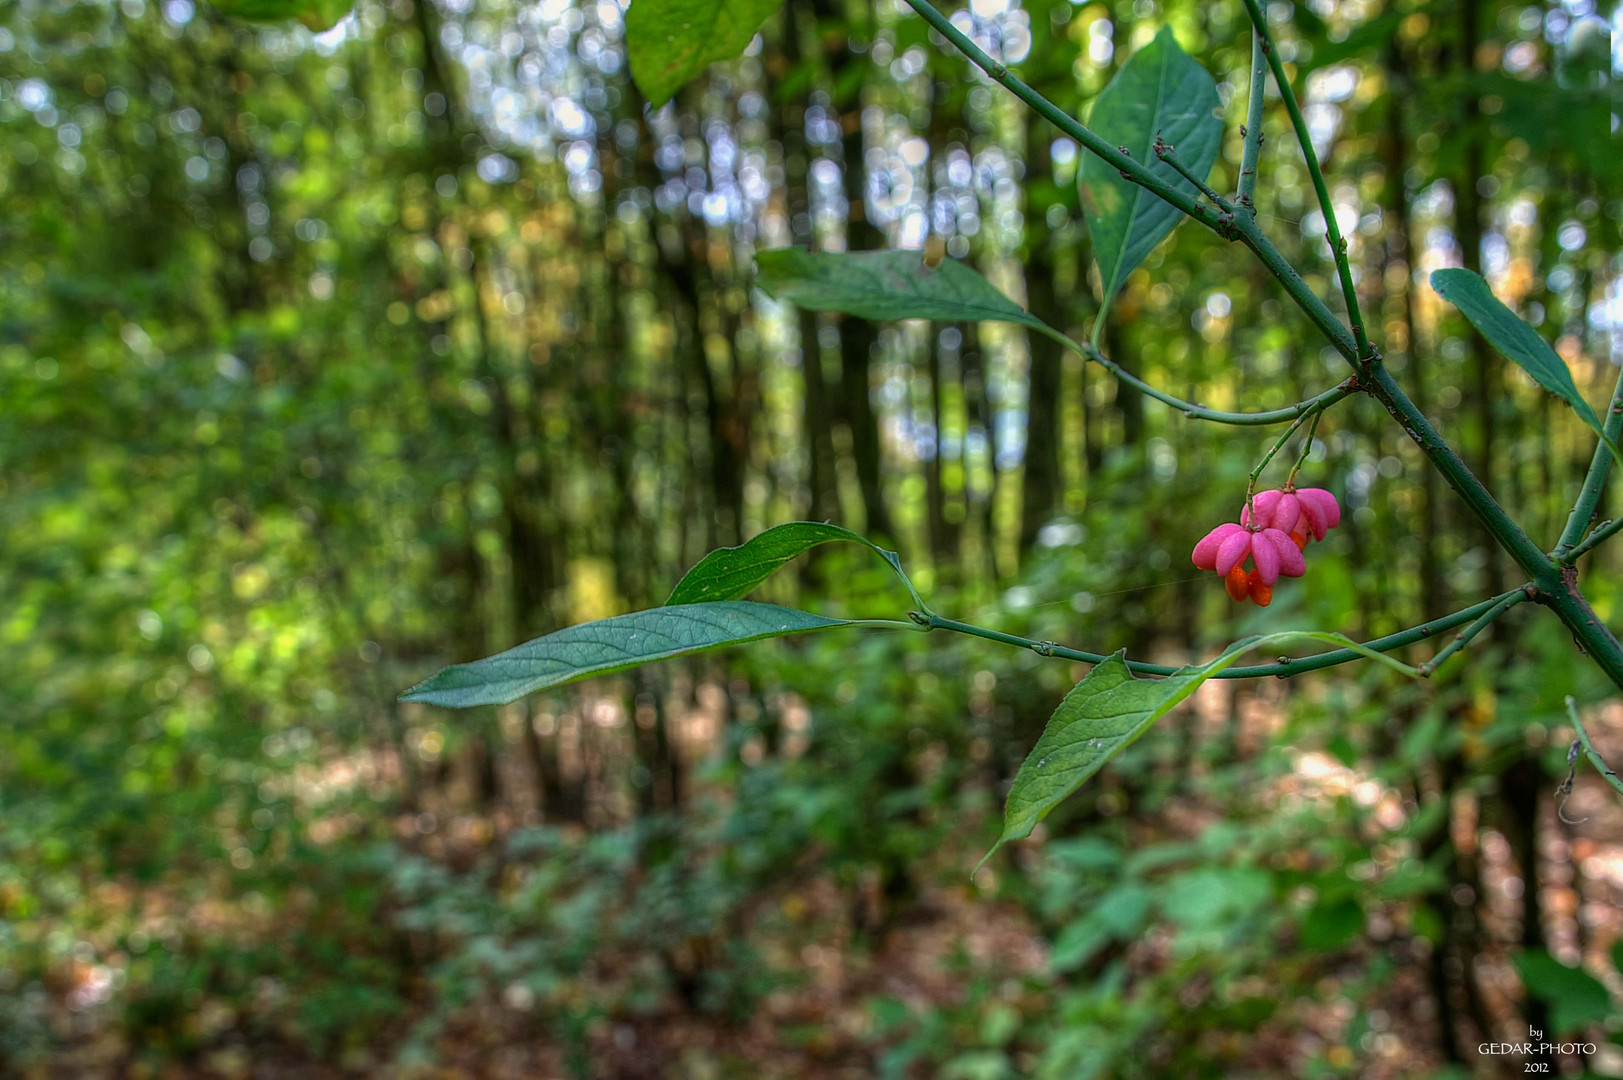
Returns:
<point x="1135" y="171"/>
<point x="1169" y="154"/>
<point x="1251" y="134"/>
<point x="1567" y="549"/>
<point x="1284" y="669"/>
<point x="1332" y="228"/>
<point x="1200" y="412"/>
<point x="1603" y="532"/>
<point x="1589" y="751"/>
<point x="1483" y="621"/>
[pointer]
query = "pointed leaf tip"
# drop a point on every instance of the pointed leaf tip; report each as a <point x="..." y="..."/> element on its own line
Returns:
<point x="732" y="573"/>
<point x="1512" y="336"/>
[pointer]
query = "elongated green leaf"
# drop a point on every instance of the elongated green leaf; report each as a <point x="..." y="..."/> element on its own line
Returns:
<point x="1101" y="716"/>
<point x="1510" y="335"/>
<point x="318" y="15"/>
<point x="884" y="285"/>
<point x="671" y="42"/>
<point x="1108" y="710"/>
<point x="1159" y="91"/>
<point x="732" y="573"/>
<point x="613" y="644"/>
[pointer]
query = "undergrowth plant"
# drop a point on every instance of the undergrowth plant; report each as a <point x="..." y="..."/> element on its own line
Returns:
<point x="1152" y="138"/>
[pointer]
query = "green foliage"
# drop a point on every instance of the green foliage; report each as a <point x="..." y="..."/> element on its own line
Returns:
<point x="1159" y="94"/>
<point x="1101" y="716"/>
<point x="612" y="644"/>
<point x="1575" y="997"/>
<point x="885" y="285"/>
<point x="1512" y="336"/>
<point x="733" y="573"/>
<point x="1110" y="709"/>
<point x="670" y="42"/>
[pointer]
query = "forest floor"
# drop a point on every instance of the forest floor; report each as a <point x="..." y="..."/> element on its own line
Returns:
<point x="854" y="961"/>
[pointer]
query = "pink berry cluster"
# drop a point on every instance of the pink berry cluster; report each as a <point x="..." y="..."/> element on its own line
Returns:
<point x="1274" y="530"/>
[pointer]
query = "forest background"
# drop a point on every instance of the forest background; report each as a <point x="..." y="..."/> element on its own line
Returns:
<point x="328" y="359"/>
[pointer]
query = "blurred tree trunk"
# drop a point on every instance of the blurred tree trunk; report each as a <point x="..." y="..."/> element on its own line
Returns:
<point x="858" y="337"/>
<point x="656" y="777"/>
<point x="1129" y="402"/>
<point x="1042" y="488"/>
<point x="944" y="538"/>
<point x="1484" y="384"/>
<point x="817" y="422"/>
<point x="1453" y="958"/>
<point x="1401" y="250"/>
<point x="1520" y="788"/>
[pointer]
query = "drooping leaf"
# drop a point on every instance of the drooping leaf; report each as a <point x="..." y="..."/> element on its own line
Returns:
<point x="671" y="42"/>
<point x="1519" y="342"/>
<point x="318" y="15"/>
<point x="1101" y="716"/>
<point x="732" y="573"/>
<point x="1108" y="710"/>
<point x="1576" y="997"/>
<point x="612" y="644"/>
<point x="884" y="285"/>
<point x="1160" y="90"/>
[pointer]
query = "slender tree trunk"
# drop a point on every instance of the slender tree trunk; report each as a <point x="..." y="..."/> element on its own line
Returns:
<point x="1041" y="489"/>
<point x="1520" y="788"/>
<point x="1484" y="383"/>
<point x="1401" y="245"/>
<point x="857" y="340"/>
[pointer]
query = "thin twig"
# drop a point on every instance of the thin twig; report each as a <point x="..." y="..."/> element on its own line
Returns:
<point x="1251" y="133"/>
<point x="1284" y="669"/>
<point x="1200" y="412"/>
<point x="1582" y="745"/>
<point x="1600" y="467"/>
<point x="1169" y="154"/>
<point x="1307" y="446"/>
<point x="1603" y="532"/>
<point x="1463" y="638"/>
<point x="1332" y="228"/>
<point x="1279" y="444"/>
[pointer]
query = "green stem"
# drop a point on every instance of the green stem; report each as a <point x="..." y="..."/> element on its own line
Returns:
<point x="1284" y="669"/>
<point x="1138" y="172"/>
<point x="1201" y="412"/>
<point x="1463" y="638"/>
<point x="1590" y="752"/>
<point x="1251" y="145"/>
<point x="1307" y="447"/>
<point x="1256" y="473"/>
<point x="1600" y="468"/>
<point x="1332" y="228"/>
<point x="1169" y="154"/>
<point x="1604" y="532"/>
